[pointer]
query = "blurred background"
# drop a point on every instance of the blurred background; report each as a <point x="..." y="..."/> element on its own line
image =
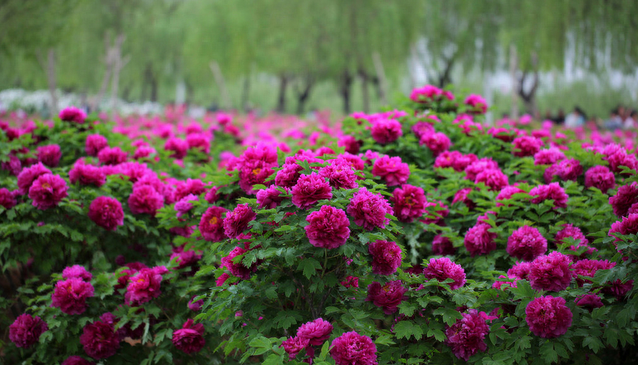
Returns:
<point x="525" y="56"/>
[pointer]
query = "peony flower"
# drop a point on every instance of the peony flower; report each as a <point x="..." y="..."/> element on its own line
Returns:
<point x="77" y="271"/>
<point x="269" y="198"/>
<point x="49" y="155"/>
<point x="112" y="156"/>
<point x="184" y="205"/>
<point x="444" y="268"/>
<point x="388" y="296"/>
<point x="190" y="338"/>
<point x="47" y="191"/>
<point x="473" y="169"/>
<point x="352" y="348"/>
<point x="550" y="272"/>
<point x="436" y="142"/>
<point x="349" y="143"/>
<point x="526" y="243"/>
<point x="26" y="330"/>
<point x="426" y="94"/>
<point x="106" y="212"/>
<point x="190" y="186"/>
<point x="198" y="141"/>
<point x="548" y="317"/>
<point x="520" y="270"/>
<point x="316" y="332"/>
<point x="340" y="174"/>
<point x="526" y="146"/>
<point x="369" y="210"/>
<point x="178" y="146"/>
<point x="494" y="179"/>
<point x="94" y="144"/>
<point x="551" y="191"/>
<point x="442" y="246"/>
<point x="386" y="131"/>
<point x="510" y="283"/>
<point x="238" y="269"/>
<point x="211" y="225"/>
<point x="466" y="337"/>
<point x="479" y="240"/>
<point x="478" y="104"/>
<point x="309" y="190"/>
<point x="625" y="199"/>
<point x="76" y="360"/>
<point x="99" y="340"/>
<point x="70" y="295"/>
<point x="186" y="258"/>
<point x="328" y="227"/>
<point x="144" y="286"/>
<point x="236" y="222"/>
<point x="252" y="173"/>
<point x="548" y="156"/>
<point x="294" y="345"/>
<point x="589" y="301"/>
<point x="145" y="199"/>
<point x="409" y="203"/>
<point x="386" y="257"/>
<point x="7" y="198"/>
<point x="571" y="231"/>
<point x="600" y="177"/>
<point x="350" y="282"/>
<point x="28" y="175"/>
<point x="392" y="170"/>
<point x="72" y="114"/>
<point x="87" y="175"/>
<point x="506" y="194"/>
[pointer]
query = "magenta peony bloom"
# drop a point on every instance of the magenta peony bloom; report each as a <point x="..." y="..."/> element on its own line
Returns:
<point x="386" y="131"/>
<point x="76" y="360"/>
<point x="551" y="191"/>
<point x="190" y="186"/>
<point x="509" y="283"/>
<point x="526" y="243"/>
<point x="328" y="227"/>
<point x="409" y="203"/>
<point x="548" y="156"/>
<point x="47" y="191"/>
<point x="112" y="156"/>
<point x="570" y="231"/>
<point x="466" y="337"/>
<point x="252" y="173"/>
<point x="349" y="143"/>
<point x="236" y="222"/>
<point x="473" y="169"/>
<point x="392" y="170"/>
<point x="506" y="193"/>
<point x="26" y="330"/>
<point x="421" y="128"/>
<point x="442" y="246"/>
<point x="340" y="174"/>
<point x="94" y="144"/>
<point x="565" y="170"/>
<point x="145" y="199"/>
<point x="144" y="286"/>
<point x="269" y="198"/>
<point x="99" y="340"/>
<point x="188" y="258"/>
<point x="588" y="268"/>
<point x="386" y="257"/>
<point x="551" y="272"/>
<point x="287" y="177"/>
<point x="106" y="212"/>
<point x="7" y="198"/>
<point x="317" y="331"/>
<point x="436" y="142"/>
<point x="178" y="146"/>
<point x="479" y="240"/>
<point x="195" y="306"/>
<point x="526" y="146"/>
<point x="49" y="155"/>
<point x="294" y="345"/>
<point x="198" y="141"/>
<point x="444" y="268"/>
<point x="87" y="175"/>
<point x="70" y="295"/>
<point x="625" y="199"/>
<point x="352" y="348"/>
<point x="190" y="338"/>
<point x="601" y="178"/>
<point x="350" y="282"/>
<point x="548" y="317"/>
<point x="520" y="270"/>
<point x="388" y="296"/>
<point x="589" y="301"/>
<point x="211" y="225"/>
<point x="238" y="269"/>
<point x="309" y="190"/>
<point x="477" y="102"/>
<point x="494" y="179"/>
<point x="184" y="205"/>
<point x="28" y="175"/>
<point x="426" y="94"/>
<point x="77" y="271"/>
<point x="72" y="114"/>
<point x="369" y="210"/>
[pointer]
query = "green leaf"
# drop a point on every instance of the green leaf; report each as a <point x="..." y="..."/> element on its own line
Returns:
<point x="406" y="329"/>
<point x="309" y="267"/>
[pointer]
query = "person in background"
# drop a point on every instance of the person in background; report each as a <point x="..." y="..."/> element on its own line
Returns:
<point x="560" y="117"/>
<point x="622" y="112"/>
<point x="632" y="120"/>
<point x="614" y="122"/>
<point x="575" y="119"/>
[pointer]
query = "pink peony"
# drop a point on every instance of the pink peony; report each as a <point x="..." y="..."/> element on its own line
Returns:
<point x="350" y="144"/>
<point x="350" y="282"/>
<point x="70" y="295"/>
<point x="94" y="144"/>
<point x="442" y="246"/>
<point x="340" y="174"/>
<point x="76" y="360"/>
<point x="601" y="178"/>
<point x="626" y="226"/>
<point x="565" y="170"/>
<point x="238" y="268"/>
<point x="466" y="337"/>
<point x="589" y="301"/>
<point x="478" y="104"/>
<point x="551" y="191"/>
<point x="47" y="191"/>
<point x="252" y="173"/>
<point x="144" y="286"/>
<point x="72" y="114"/>
<point x="388" y="296"/>
<point x="369" y="210"/>
<point x="422" y="128"/>
<point x="317" y="331"/>
<point x="112" y="156"/>
<point x="236" y="222"/>
<point x="211" y="195"/>
<point x="526" y="146"/>
<point x="294" y="345"/>
<point x="392" y="170"/>
<point x="49" y="155"/>
<point x="436" y="142"/>
<point x="520" y="270"/>
<point x="99" y="340"/>
<point x="269" y="198"/>
<point x="479" y="240"/>
<point x="87" y="175"/>
<point x="444" y="268"/>
<point x="625" y="199"/>
<point x="7" y="198"/>
<point x="309" y="190"/>
<point x="145" y="199"/>
<point x="551" y="272"/>
<point x="28" y="175"/>
<point x="327" y="227"/>
<point x="144" y="152"/>
<point x="409" y="203"/>
<point x="195" y="306"/>
<point x="526" y="243"/>
<point x="570" y="231"/>
<point x="211" y="225"/>
<point x="190" y="186"/>
<point x="198" y="141"/>
<point x="548" y="156"/>
<point x="352" y="348"/>
<point x="506" y="194"/>
<point x="184" y="205"/>
<point x="426" y="94"/>
<point x="386" y="257"/>
<point x="588" y="268"/>
<point x="473" y="169"/>
<point x="26" y="330"/>
<point x="77" y="271"/>
<point x="494" y="179"/>
<point x="177" y="146"/>
<point x="190" y="338"/>
<point x="386" y="131"/>
<point x="106" y="212"/>
<point x="548" y="317"/>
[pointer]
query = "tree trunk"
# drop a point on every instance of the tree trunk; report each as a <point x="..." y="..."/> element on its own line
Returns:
<point x="365" y="91"/>
<point x="221" y="83"/>
<point x="108" y="64"/>
<point x="382" y="82"/>
<point x="513" y="67"/>
<point x="154" y="88"/>
<point x="48" y="66"/>
<point x="118" y="64"/>
<point x="304" y="95"/>
<point x="346" y="84"/>
<point x="281" y="99"/>
<point x="245" y="94"/>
